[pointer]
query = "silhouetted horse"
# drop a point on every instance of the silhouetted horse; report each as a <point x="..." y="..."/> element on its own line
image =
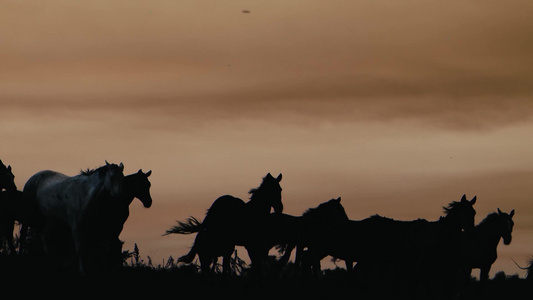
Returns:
<point x="8" y="198"/>
<point x="482" y="243"/>
<point x="398" y="247"/>
<point x="7" y="179"/>
<point x="68" y="204"/>
<point x="230" y="222"/>
<point x="296" y="231"/>
<point x="114" y="212"/>
<point x="439" y="266"/>
<point x="11" y="210"/>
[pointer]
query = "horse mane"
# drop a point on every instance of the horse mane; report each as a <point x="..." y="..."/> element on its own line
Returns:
<point x="313" y="211"/>
<point x="310" y="212"/>
<point x="450" y="207"/>
<point x="378" y="217"/>
<point x="89" y="172"/>
<point x="253" y="192"/>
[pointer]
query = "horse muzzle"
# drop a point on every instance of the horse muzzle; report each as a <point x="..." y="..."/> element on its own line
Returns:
<point x="507" y="240"/>
<point x="147" y="202"/>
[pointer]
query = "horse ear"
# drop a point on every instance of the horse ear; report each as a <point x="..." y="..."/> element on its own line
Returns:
<point x="279" y="177"/>
<point x="339" y="199"/>
<point x="148" y="173"/>
<point x="473" y="201"/>
<point x="121" y="166"/>
<point x="106" y="163"/>
<point x="140" y="171"/>
<point x="499" y="211"/>
<point x="9" y="168"/>
<point x="511" y="214"/>
<point x="463" y="199"/>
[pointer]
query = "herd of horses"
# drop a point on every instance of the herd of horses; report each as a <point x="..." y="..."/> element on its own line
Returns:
<point x="425" y="257"/>
<point x="81" y="217"/>
<point x="75" y="218"/>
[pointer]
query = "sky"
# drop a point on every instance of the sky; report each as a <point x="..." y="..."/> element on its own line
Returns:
<point x="398" y="107"/>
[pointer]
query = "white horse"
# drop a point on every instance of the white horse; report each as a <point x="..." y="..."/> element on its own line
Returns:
<point x="72" y="203"/>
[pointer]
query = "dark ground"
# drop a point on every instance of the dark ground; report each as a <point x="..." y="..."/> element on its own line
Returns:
<point x="29" y="276"/>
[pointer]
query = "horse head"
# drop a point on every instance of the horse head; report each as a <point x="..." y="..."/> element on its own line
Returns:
<point x="505" y="225"/>
<point x="275" y="190"/>
<point x="462" y="213"/>
<point x="140" y="187"/>
<point x="269" y="193"/>
<point x="7" y="179"/>
<point x="330" y="211"/>
<point x="113" y="178"/>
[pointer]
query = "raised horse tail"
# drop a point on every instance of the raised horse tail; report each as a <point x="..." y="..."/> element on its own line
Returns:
<point x="189" y="226"/>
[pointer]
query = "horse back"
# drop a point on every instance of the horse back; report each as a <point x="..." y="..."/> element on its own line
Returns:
<point x="46" y="190"/>
<point x="42" y="179"/>
<point x="224" y="208"/>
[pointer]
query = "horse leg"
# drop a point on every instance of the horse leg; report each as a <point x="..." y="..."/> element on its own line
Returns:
<point x="226" y="268"/>
<point x="298" y="258"/>
<point x="50" y="236"/>
<point x="316" y="266"/>
<point x="86" y="263"/>
<point x="9" y="235"/>
<point x="257" y="257"/>
<point x="23" y="234"/>
<point x="349" y="265"/>
<point x="286" y="256"/>
<point x="205" y="262"/>
<point x="484" y="273"/>
<point x="310" y="263"/>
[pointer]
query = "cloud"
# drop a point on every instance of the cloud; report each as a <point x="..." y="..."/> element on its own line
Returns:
<point x="446" y="66"/>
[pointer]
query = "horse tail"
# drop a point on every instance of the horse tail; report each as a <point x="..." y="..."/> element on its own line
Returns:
<point x="191" y="225"/>
<point x="519" y="265"/>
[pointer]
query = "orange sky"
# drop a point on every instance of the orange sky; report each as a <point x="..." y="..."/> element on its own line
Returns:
<point x="399" y="107"/>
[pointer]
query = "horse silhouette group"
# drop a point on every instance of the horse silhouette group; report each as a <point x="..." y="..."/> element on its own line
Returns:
<point x="81" y="217"/>
<point x="76" y="218"/>
<point x="419" y="256"/>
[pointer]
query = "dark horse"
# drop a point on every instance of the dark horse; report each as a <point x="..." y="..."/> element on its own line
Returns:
<point x="296" y="231"/>
<point x="112" y="215"/>
<point x="438" y="266"/>
<point x="7" y="179"/>
<point x="482" y="243"/>
<point x="65" y="205"/>
<point x="115" y="211"/>
<point x="398" y="248"/>
<point x="12" y="209"/>
<point x="230" y="222"/>
<point x="10" y="198"/>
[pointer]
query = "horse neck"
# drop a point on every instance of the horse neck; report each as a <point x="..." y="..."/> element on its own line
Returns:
<point x="259" y="204"/>
<point x="448" y="225"/>
<point x="93" y="180"/>
<point x="128" y="192"/>
<point x="487" y="231"/>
